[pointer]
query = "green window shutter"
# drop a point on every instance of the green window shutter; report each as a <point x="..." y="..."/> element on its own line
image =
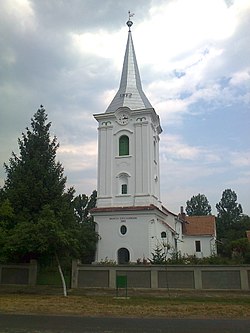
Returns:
<point x="123" y="145"/>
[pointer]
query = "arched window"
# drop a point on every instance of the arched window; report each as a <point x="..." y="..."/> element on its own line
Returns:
<point x="123" y="183"/>
<point x="124" y="189"/>
<point x="123" y="145"/>
<point x="163" y="234"/>
<point x="123" y="256"/>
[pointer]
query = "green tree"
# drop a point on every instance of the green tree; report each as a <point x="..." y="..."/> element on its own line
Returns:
<point x="7" y="219"/>
<point x="43" y="222"/>
<point x="231" y="223"/>
<point x="198" y="205"/>
<point x="158" y="256"/>
<point x="241" y="248"/>
<point x="237" y="230"/>
<point x="88" y="237"/>
<point x="82" y="206"/>
<point x="229" y="212"/>
<point x="35" y="178"/>
<point x="2" y="195"/>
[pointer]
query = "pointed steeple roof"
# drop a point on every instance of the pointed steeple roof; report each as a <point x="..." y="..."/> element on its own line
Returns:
<point x="130" y="92"/>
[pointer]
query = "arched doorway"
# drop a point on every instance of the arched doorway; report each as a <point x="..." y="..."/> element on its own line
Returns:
<point x="123" y="256"/>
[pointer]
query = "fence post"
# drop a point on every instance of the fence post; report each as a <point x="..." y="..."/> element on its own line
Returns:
<point x="244" y="279"/>
<point x="197" y="278"/>
<point x="112" y="277"/>
<point x="32" y="272"/>
<point x="74" y="273"/>
<point x="154" y="278"/>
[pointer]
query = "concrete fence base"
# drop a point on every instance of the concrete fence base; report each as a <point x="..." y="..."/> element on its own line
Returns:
<point x="154" y="276"/>
<point x="19" y="273"/>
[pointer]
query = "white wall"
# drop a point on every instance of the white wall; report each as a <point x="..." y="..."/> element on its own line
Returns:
<point x="136" y="240"/>
<point x="143" y="235"/>
<point x="141" y="165"/>
<point x="208" y="247"/>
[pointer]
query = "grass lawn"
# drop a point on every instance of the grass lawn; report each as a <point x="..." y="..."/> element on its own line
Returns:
<point x="141" y="303"/>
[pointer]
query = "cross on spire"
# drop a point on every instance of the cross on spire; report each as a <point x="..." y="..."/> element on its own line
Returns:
<point x="130" y="93"/>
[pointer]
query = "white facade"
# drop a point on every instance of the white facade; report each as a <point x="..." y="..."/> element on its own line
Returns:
<point x="139" y="169"/>
<point x="139" y="231"/>
<point x="200" y="246"/>
<point x="129" y="216"/>
<point x="199" y="235"/>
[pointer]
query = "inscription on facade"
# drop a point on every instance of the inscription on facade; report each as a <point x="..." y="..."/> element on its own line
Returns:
<point x="122" y="218"/>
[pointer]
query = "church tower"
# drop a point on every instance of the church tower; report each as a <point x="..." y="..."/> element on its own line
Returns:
<point x="128" y="203"/>
<point x="128" y="159"/>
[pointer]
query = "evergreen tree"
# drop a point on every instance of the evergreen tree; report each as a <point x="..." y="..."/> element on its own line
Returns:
<point x="35" y="178"/>
<point x="158" y="256"/>
<point x="198" y="205"/>
<point x="231" y="223"/>
<point x="229" y="211"/>
<point x="7" y="219"/>
<point x="37" y="215"/>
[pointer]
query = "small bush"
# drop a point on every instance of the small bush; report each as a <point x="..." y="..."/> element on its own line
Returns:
<point x="107" y="262"/>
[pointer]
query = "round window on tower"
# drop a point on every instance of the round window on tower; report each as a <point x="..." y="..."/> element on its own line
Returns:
<point x="123" y="229"/>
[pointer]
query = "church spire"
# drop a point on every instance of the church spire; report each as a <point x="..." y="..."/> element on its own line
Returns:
<point x="130" y="92"/>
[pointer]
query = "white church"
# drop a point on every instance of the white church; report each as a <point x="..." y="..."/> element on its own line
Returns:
<point x="130" y="218"/>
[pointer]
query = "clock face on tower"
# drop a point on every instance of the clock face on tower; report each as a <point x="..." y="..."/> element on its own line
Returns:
<point x="123" y="118"/>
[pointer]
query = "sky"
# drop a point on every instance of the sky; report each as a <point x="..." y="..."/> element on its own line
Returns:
<point x="194" y="61"/>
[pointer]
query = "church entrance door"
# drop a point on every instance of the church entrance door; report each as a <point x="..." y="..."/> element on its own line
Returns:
<point x="123" y="256"/>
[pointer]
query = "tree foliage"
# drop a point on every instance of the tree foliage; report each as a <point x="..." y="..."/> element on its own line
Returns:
<point x="229" y="215"/>
<point x="198" y="205"/>
<point x="158" y="256"/>
<point x="87" y="235"/>
<point x="229" y="211"/>
<point x="7" y="219"/>
<point x="241" y="247"/>
<point x="37" y="215"/>
<point x="231" y="225"/>
<point x="35" y="178"/>
<point x="82" y="206"/>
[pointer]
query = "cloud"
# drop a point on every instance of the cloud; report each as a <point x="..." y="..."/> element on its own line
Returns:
<point x="240" y="77"/>
<point x="194" y="63"/>
<point x="240" y="159"/>
<point x="78" y="157"/>
<point x="18" y="16"/>
<point x="180" y="27"/>
<point x="173" y="147"/>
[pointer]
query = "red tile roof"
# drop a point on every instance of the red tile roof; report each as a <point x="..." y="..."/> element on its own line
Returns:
<point x="124" y="209"/>
<point x="200" y="225"/>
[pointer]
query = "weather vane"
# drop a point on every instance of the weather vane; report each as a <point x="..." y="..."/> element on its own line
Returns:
<point x="130" y="23"/>
<point x="130" y="14"/>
